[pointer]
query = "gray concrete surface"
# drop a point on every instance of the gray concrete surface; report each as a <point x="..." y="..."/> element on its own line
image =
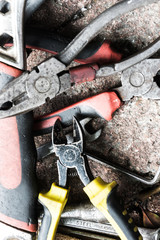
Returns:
<point x="132" y="137"/>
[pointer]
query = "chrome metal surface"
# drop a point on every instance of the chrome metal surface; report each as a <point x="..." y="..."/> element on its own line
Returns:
<point x="84" y="216"/>
<point x="70" y="154"/>
<point x="82" y="234"/>
<point x="47" y="148"/>
<point x="106" y="228"/>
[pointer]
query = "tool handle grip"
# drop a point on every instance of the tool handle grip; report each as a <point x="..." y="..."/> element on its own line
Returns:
<point x="102" y="105"/>
<point x="103" y="197"/>
<point x="18" y="188"/>
<point x="95" y="52"/>
<point x="53" y="203"/>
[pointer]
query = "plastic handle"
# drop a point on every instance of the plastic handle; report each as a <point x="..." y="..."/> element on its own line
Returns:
<point x="18" y="187"/>
<point x="101" y="105"/>
<point x="103" y="197"/>
<point x="53" y="203"/>
<point x="94" y="52"/>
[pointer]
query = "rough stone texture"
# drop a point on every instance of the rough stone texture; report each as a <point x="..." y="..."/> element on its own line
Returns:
<point x="131" y="138"/>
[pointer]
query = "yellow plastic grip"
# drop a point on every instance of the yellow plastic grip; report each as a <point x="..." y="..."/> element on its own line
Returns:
<point x="99" y="192"/>
<point x="55" y="201"/>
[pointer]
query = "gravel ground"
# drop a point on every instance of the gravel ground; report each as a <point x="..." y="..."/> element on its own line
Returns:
<point x="131" y="138"/>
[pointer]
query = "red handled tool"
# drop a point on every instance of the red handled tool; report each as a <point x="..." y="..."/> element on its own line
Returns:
<point x="18" y="188"/>
<point x="102" y="105"/>
<point x="94" y="52"/>
<point x="49" y="78"/>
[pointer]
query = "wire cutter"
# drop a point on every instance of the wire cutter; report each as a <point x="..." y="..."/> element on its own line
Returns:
<point x="101" y="194"/>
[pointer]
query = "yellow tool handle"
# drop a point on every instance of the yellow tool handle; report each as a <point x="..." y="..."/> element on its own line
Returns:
<point x="103" y="196"/>
<point x="53" y="203"/>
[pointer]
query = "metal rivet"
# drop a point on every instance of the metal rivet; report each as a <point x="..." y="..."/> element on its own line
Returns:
<point x="136" y="79"/>
<point x="42" y="85"/>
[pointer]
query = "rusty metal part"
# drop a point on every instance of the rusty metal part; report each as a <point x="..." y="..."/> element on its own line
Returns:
<point x="145" y="194"/>
<point x="11" y="22"/>
<point x="33" y="89"/>
<point x="121" y="169"/>
<point x="84" y="234"/>
<point x="47" y="149"/>
<point x="84" y="216"/>
<point x="147" y="234"/>
<point x="8" y="232"/>
<point x="150" y="219"/>
<point x="22" y="98"/>
<point x="138" y="80"/>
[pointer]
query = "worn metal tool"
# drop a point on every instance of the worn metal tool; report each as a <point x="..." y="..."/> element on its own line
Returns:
<point x="101" y="194"/>
<point x="47" y="80"/>
<point x="47" y="149"/>
<point x="33" y="89"/>
<point x="73" y="225"/>
<point x="99" y="52"/>
<point x="83" y="216"/>
<point x="102" y="105"/>
<point x="85" y="235"/>
<point x="138" y="79"/>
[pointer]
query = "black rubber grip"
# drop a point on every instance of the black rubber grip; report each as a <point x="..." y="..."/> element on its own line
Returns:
<point x="56" y="43"/>
<point x="46" y="222"/>
<point x="18" y="185"/>
<point x="18" y="188"/>
<point x="121" y="217"/>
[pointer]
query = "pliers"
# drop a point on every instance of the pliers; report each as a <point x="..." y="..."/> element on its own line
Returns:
<point x="49" y="79"/>
<point x="101" y="194"/>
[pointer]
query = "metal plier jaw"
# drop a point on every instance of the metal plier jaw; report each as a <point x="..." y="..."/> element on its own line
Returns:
<point x="33" y="89"/>
<point x="70" y="154"/>
<point x="138" y="80"/>
<point x="101" y="194"/>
